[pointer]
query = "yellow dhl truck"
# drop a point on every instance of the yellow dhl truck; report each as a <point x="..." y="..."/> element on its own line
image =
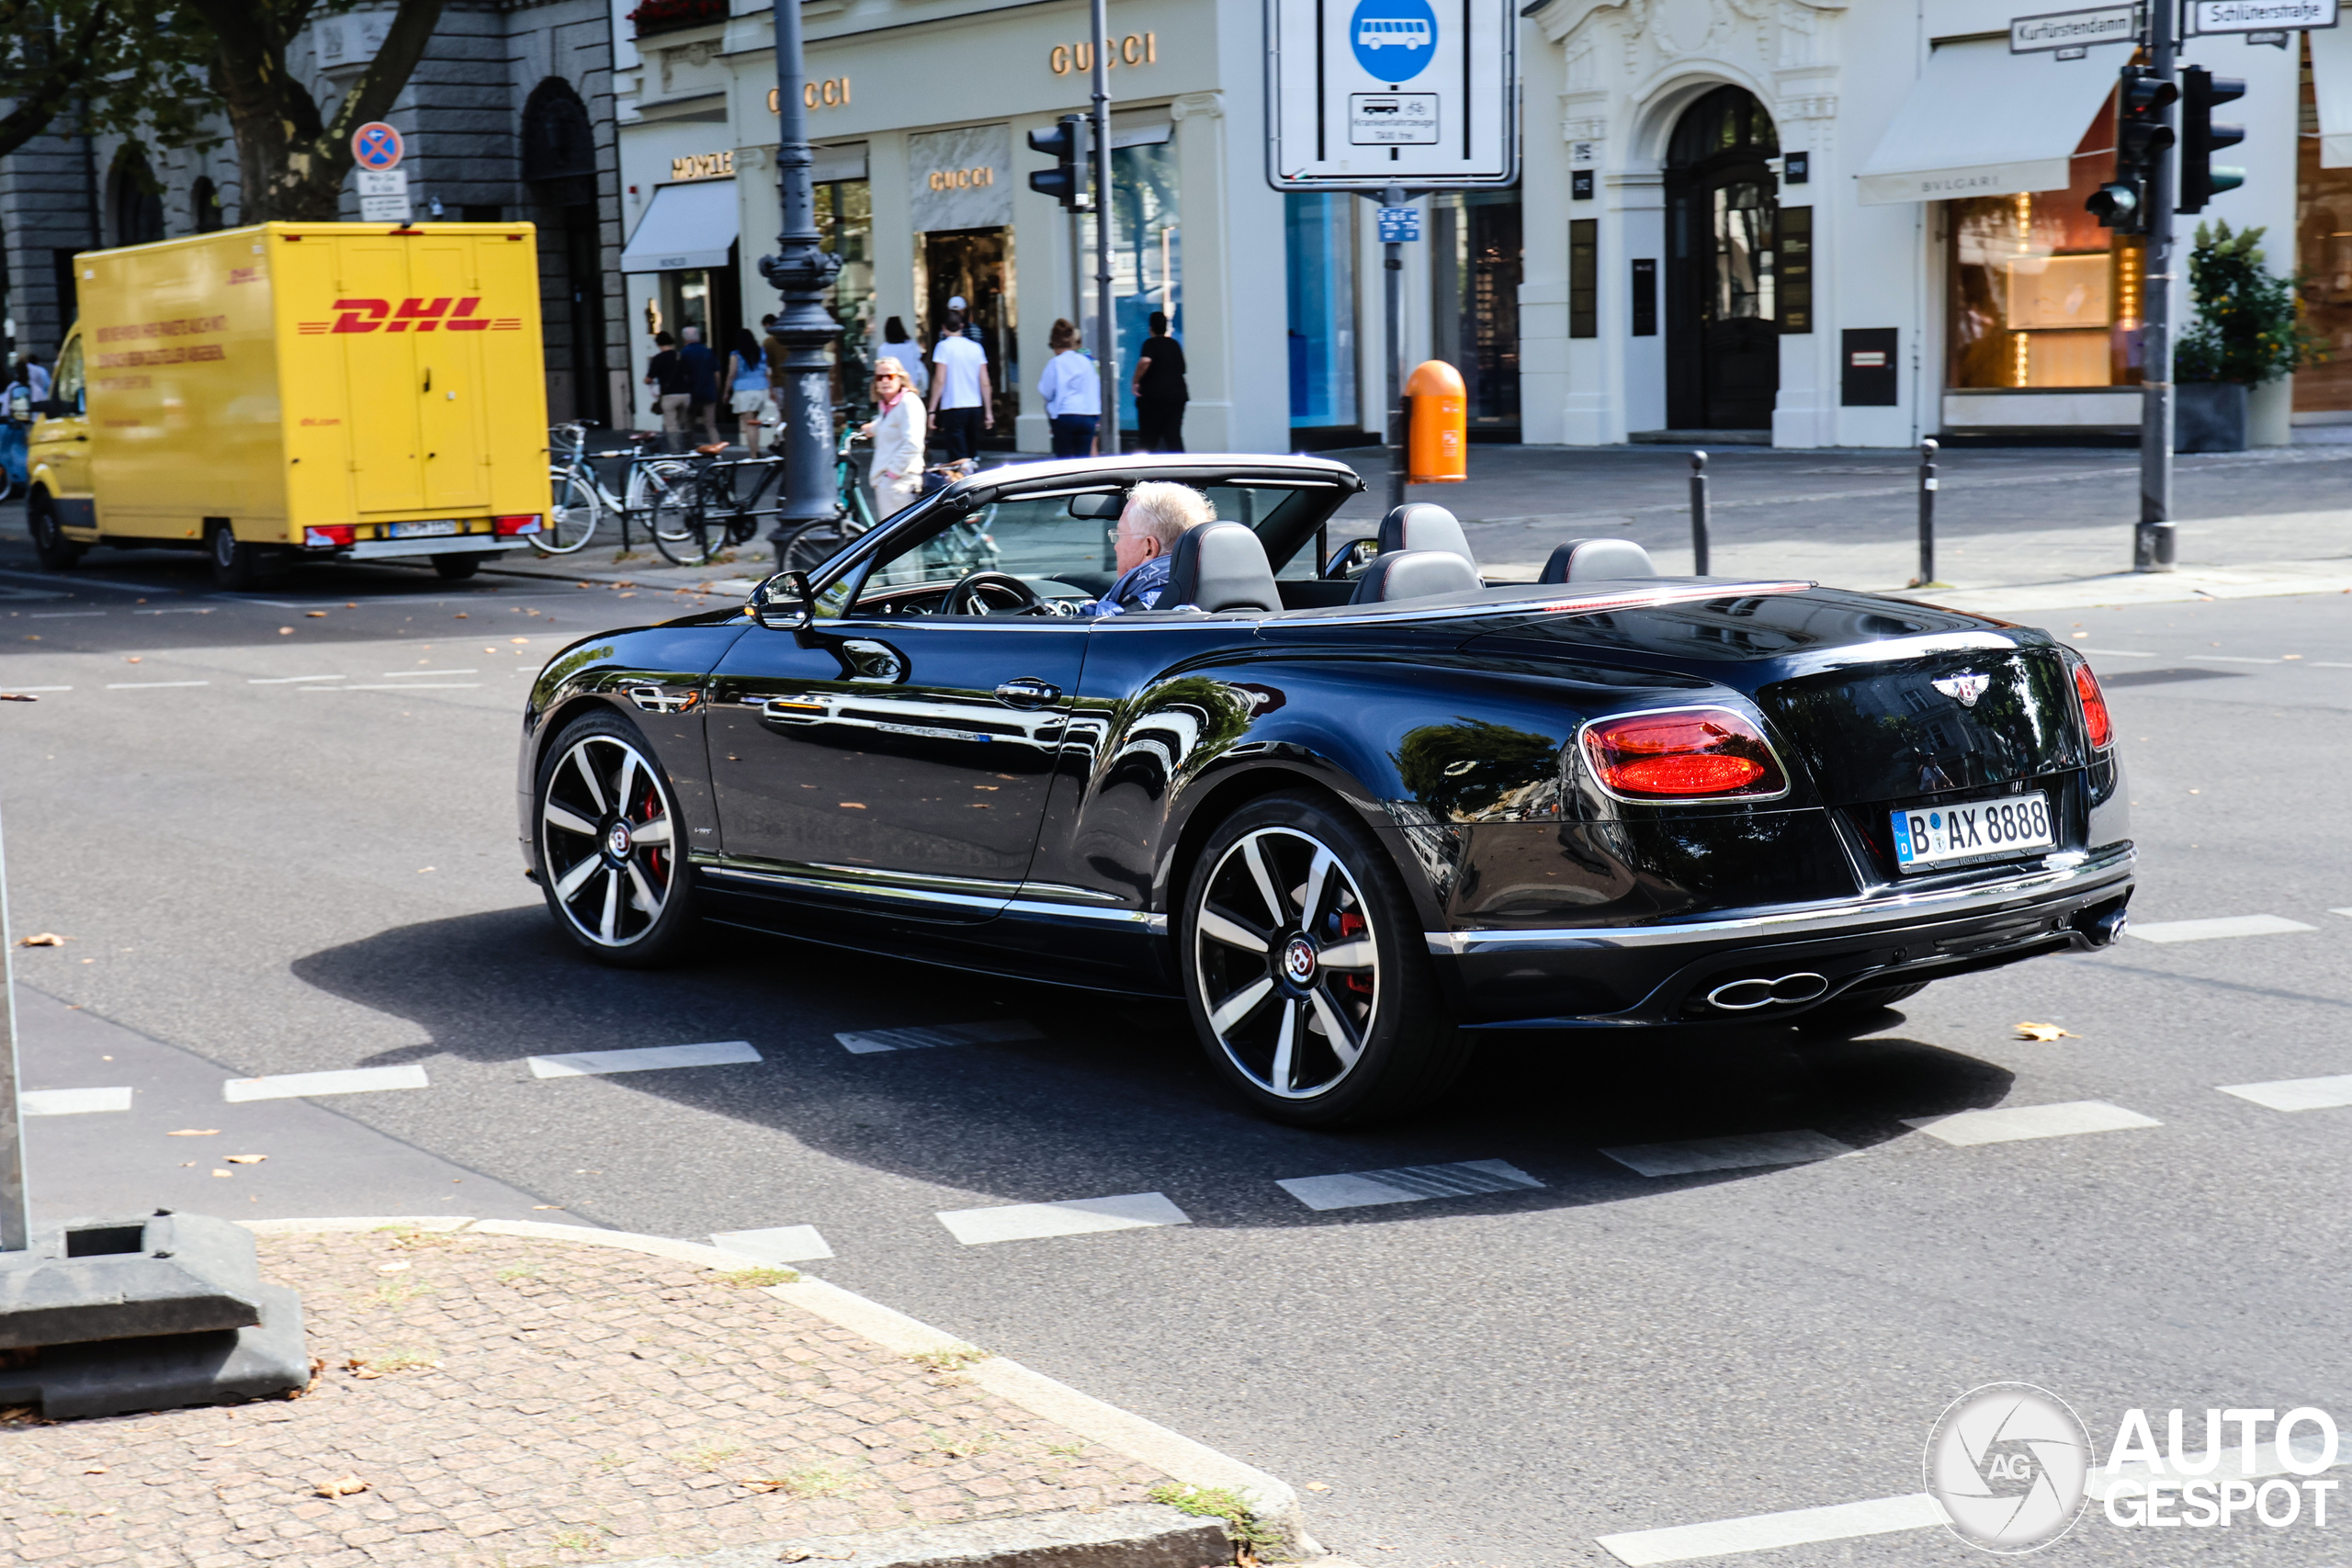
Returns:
<point x="299" y="391"/>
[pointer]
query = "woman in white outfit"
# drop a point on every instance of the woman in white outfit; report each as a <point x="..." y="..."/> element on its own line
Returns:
<point x="898" y="433"/>
<point x="1072" y="392"/>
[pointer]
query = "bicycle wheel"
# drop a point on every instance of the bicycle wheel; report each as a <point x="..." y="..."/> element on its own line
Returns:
<point x="811" y="545"/>
<point x="659" y="494"/>
<point x="700" y="534"/>
<point x="573" y="515"/>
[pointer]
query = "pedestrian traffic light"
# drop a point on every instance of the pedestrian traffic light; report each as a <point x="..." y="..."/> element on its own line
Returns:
<point x="2142" y="98"/>
<point x="2202" y="179"/>
<point x="1062" y="182"/>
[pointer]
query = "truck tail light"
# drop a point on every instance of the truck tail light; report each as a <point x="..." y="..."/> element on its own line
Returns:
<point x="523" y="523"/>
<point x="2094" y="715"/>
<point x="1683" y="755"/>
<point x="335" y="535"/>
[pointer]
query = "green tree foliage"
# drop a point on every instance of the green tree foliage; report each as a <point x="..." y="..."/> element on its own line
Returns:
<point x="2247" y="328"/>
<point x="75" y="67"/>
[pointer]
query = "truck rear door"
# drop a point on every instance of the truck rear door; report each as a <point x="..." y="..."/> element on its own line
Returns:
<point x="444" y="288"/>
<point x="412" y="318"/>
<point x="382" y="372"/>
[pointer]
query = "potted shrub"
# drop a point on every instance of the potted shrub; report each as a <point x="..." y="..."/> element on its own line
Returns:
<point x="2246" y="334"/>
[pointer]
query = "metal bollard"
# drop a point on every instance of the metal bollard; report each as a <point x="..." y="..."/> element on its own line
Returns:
<point x="1699" y="513"/>
<point x="1927" y="514"/>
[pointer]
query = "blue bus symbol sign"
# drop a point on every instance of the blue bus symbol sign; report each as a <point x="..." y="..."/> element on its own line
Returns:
<point x="1393" y="40"/>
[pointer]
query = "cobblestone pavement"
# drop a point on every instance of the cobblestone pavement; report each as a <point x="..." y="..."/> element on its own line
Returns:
<point x="506" y="1403"/>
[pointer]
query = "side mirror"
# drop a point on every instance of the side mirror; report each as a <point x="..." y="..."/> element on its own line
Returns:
<point x="1351" y="557"/>
<point x="784" y="603"/>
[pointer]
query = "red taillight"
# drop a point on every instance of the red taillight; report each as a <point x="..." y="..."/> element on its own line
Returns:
<point x="333" y="536"/>
<point x="2095" y="715"/>
<point x="1690" y="754"/>
<point x="526" y="523"/>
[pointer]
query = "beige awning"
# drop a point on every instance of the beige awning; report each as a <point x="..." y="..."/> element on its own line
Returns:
<point x="1982" y="121"/>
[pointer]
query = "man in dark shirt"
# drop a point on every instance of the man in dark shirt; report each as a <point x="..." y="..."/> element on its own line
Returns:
<point x="672" y="389"/>
<point x="1160" y="389"/>
<point x="702" y="365"/>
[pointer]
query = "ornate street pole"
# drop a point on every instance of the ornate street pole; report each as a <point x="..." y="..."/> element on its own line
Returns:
<point x="1106" y="320"/>
<point x="2153" y="544"/>
<point x="801" y="270"/>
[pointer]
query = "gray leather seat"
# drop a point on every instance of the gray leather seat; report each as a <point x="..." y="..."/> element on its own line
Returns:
<point x="1419" y="525"/>
<point x="1597" y="560"/>
<point x="1219" y="566"/>
<point x="1414" y="574"/>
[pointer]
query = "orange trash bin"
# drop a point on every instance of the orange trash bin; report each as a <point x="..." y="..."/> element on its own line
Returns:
<point x="1437" y="443"/>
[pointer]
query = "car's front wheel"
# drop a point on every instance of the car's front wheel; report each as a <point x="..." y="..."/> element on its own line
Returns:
<point x="1305" y="971"/>
<point x="50" y="546"/>
<point x="610" y="844"/>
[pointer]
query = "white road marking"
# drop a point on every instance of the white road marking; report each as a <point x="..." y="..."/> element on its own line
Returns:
<point x="61" y="614"/>
<point x="867" y="1042"/>
<point x="40" y="688"/>
<point x="177" y="610"/>
<point x="642" y="1059"/>
<point x="785" y="1244"/>
<point x="2229" y="658"/>
<point x="1744" y="1151"/>
<point x="1407" y="1184"/>
<point x="1761" y="1532"/>
<point x="73" y="1101"/>
<point x="289" y="680"/>
<point x="2345" y="913"/>
<point x="1078" y="1216"/>
<point x="393" y="675"/>
<point x="403" y="686"/>
<point x="2011" y="1123"/>
<point x="342" y="1080"/>
<point x="2295" y="1094"/>
<point x="2326" y="664"/>
<point x="2206" y="930"/>
<point x="2118" y="653"/>
<point x="149" y="685"/>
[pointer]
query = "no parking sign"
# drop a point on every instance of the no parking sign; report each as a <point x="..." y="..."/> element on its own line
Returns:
<point x="376" y="147"/>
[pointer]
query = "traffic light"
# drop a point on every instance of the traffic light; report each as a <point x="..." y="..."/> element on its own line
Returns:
<point x="2141" y="134"/>
<point x="2202" y="179"/>
<point x="1062" y="182"/>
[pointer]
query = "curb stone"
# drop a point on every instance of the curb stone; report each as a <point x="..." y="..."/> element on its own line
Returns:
<point x="1130" y="1535"/>
<point x="1271" y="1499"/>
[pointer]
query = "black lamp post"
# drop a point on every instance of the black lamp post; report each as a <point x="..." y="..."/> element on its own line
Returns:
<point x="801" y="271"/>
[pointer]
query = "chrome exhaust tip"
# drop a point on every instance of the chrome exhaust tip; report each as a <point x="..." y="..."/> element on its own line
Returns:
<point x="1745" y="996"/>
<point x="2104" y="930"/>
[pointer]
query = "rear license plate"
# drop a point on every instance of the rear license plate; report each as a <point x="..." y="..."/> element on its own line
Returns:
<point x="1971" y="829"/>
<point x="439" y="527"/>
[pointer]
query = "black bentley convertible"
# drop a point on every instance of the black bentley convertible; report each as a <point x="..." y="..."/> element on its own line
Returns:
<point x="1350" y="800"/>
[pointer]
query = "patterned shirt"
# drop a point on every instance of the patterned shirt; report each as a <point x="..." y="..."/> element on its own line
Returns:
<point x="1136" y="589"/>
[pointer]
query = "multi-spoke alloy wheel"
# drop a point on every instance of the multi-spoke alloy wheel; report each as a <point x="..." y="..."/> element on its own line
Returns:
<point x="608" y="844"/>
<point x="1305" y="975"/>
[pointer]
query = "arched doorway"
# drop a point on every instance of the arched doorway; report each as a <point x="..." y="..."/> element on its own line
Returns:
<point x="137" y="200"/>
<point x="1723" y="335"/>
<point x="559" y="172"/>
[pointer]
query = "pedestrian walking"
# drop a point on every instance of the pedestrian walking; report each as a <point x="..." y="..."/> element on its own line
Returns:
<point x="1160" y="389"/>
<point x="747" y="386"/>
<point x="959" y="388"/>
<point x="672" y="389"/>
<point x="897" y="345"/>
<point x="702" y="371"/>
<point x="1072" y="394"/>
<point x="15" y="428"/>
<point x="38" y="380"/>
<point x="895" y="476"/>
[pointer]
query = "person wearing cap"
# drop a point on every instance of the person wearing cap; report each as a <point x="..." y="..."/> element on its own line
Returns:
<point x="959" y="386"/>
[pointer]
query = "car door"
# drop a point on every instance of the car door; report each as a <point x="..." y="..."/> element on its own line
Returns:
<point x="60" y="445"/>
<point x="896" y="757"/>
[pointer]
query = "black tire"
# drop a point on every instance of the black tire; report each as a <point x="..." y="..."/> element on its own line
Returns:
<point x="457" y="568"/>
<point x="1858" y="1003"/>
<point x="50" y="546"/>
<point x="1278" y="1051"/>
<point x="597" y="884"/>
<point x="236" y="564"/>
<point x="811" y="545"/>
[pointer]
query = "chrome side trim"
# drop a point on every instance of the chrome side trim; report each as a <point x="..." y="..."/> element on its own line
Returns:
<point x="963" y="893"/>
<point x="1156" y="924"/>
<point x="2078" y="872"/>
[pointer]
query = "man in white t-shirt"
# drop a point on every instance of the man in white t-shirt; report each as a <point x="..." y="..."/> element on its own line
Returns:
<point x="959" y="386"/>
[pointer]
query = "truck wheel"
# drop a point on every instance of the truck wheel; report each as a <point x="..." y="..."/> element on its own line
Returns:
<point x="457" y="568"/>
<point x="236" y="564"/>
<point x="54" y="550"/>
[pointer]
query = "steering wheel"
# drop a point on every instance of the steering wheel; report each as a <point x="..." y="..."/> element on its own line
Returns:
<point x="967" y="592"/>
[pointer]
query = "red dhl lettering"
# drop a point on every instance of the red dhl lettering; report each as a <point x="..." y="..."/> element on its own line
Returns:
<point x="412" y="314"/>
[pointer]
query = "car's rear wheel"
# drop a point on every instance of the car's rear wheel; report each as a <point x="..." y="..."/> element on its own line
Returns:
<point x="1305" y="973"/>
<point x="609" y="842"/>
<point x="50" y="546"/>
<point x="236" y="564"/>
<point x="455" y="567"/>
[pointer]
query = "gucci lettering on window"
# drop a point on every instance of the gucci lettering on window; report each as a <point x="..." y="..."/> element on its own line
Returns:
<point x="1135" y="48"/>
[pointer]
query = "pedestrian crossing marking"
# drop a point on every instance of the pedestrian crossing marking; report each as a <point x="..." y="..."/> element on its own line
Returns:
<point x="1077" y="1216"/>
<point x="73" y="1101"/>
<point x="1744" y="1151"/>
<point x="2207" y="930"/>
<point x="867" y="1042"/>
<point x="641" y="1059"/>
<point x="2296" y="1094"/>
<point x="2013" y="1123"/>
<point x="344" y="1080"/>
<point x="781" y="1244"/>
<point x="1407" y="1184"/>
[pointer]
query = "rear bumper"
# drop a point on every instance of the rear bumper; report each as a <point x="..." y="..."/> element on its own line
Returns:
<point x="444" y="545"/>
<point x="1583" y="977"/>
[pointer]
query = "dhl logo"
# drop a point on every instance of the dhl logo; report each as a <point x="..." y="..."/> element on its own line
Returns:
<point x="412" y="315"/>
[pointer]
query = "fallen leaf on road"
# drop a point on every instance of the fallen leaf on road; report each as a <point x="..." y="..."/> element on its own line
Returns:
<point x="224" y="1173"/>
<point x="342" y="1487"/>
<point x="546" y="1205"/>
<point x="390" y="1268"/>
<point x="42" y="938"/>
<point x="95" y="1470"/>
<point x="244" y="1159"/>
<point x="853" y="805"/>
<point x="17" y="697"/>
<point x="195" y="1133"/>
<point x="518" y="640"/>
<point x="1317" y="1486"/>
<point x="316" y="615"/>
<point x="462" y="615"/>
<point x="285" y="631"/>
<point x="131" y="659"/>
<point x="2045" y="1032"/>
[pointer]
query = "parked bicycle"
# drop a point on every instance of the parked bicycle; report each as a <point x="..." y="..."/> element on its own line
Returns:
<point x="714" y="512"/>
<point x="812" y="543"/>
<point x="653" y="493"/>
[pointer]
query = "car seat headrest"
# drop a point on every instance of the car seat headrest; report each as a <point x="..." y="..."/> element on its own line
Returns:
<point x="1220" y="565"/>
<point x="1414" y="574"/>
<point x="1595" y="560"/>
<point x="1419" y="525"/>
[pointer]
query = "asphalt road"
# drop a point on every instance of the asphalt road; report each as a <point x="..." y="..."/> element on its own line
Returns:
<point x="261" y="870"/>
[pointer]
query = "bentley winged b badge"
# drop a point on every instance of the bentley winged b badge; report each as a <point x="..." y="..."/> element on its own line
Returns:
<point x="1964" y="689"/>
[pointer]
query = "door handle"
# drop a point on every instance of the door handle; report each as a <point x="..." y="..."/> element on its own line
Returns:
<point x="1028" y="691"/>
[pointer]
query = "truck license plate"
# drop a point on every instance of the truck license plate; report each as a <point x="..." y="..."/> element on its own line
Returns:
<point x="439" y="525"/>
<point x="1928" y="836"/>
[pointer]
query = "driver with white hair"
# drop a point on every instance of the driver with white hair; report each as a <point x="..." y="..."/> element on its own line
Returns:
<point x="1155" y="516"/>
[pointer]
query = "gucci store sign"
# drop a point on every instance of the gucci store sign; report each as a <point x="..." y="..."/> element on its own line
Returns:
<point x="961" y="179"/>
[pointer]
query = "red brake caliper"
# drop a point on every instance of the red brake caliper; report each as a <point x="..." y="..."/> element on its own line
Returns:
<point x="1351" y="927"/>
